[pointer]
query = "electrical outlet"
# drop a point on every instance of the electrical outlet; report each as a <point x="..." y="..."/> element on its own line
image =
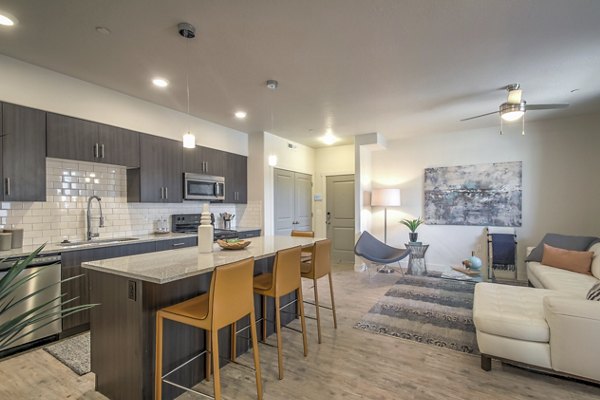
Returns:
<point x="131" y="292"/>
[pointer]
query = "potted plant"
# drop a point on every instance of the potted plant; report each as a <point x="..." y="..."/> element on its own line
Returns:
<point x="14" y="328"/>
<point x="412" y="225"/>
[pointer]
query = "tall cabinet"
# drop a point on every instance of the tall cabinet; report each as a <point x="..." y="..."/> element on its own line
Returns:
<point x="159" y="179"/>
<point x="23" y="151"/>
<point x="236" y="179"/>
<point x="292" y="197"/>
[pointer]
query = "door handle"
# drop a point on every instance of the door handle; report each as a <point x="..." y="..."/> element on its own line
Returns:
<point x="102" y="151"/>
<point x="7" y="187"/>
<point x="96" y="150"/>
<point x="328" y="219"/>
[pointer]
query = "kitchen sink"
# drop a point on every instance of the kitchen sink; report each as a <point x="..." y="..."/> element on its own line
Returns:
<point x="96" y="241"/>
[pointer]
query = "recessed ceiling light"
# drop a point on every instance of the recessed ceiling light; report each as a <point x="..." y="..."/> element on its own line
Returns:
<point x="160" y="82"/>
<point x="7" y="19"/>
<point x="240" y="114"/>
<point x="329" y="138"/>
<point x="103" y="30"/>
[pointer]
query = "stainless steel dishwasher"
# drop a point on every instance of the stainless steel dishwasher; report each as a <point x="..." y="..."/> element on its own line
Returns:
<point x="49" y="265"/>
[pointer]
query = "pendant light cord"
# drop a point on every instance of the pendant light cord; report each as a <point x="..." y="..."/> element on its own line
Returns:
<point x="187" y="82"/>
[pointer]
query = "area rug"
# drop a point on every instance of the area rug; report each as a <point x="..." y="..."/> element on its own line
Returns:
<point x="74" y="352"/>
<point x="426" y="309"/>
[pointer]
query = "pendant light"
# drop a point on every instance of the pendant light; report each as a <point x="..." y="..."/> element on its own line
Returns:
<point x="187" y="31"/>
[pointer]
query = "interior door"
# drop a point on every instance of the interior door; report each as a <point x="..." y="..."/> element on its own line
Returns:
<point x="283" y="188"/>
<point x="302" y="202"/>
<point x="340" y="217"/>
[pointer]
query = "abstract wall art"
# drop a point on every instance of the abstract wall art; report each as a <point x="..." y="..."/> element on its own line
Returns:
<point x="481" y="194"/>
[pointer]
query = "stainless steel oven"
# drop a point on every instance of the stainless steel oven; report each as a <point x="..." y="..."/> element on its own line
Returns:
<point x="203" y="187"/>
<point x="48" y="275"/>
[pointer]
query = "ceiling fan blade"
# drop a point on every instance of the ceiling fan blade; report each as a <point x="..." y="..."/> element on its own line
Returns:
<point x="478" y="116"/>
<point x="545" y="106"/>
<point x="514" y="96"/>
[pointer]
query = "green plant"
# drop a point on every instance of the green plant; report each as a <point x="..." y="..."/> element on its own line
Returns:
<point x="412" y="224"/>
<point x="50" y="311"/>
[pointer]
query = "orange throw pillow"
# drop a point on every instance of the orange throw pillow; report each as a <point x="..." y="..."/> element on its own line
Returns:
<point x="576" y="261"/>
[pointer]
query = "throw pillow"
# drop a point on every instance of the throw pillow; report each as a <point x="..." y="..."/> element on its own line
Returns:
<point x="579" y="243"/>
<point x="576" y="261"/>
<point x="594" y="293"/>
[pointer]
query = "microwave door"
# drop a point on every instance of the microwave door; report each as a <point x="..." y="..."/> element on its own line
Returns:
<point x="198" y="189"/>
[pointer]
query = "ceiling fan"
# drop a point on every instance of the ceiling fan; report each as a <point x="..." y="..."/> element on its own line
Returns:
<point x="515" y="107"/>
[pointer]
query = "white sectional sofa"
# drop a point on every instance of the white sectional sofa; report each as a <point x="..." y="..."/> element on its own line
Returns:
<point x="550" y="325"/>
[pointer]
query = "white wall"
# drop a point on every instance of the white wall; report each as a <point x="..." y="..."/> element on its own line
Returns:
<point x="329" y="161"/>
<point x="33" y="86"/>
<point x="561" y="187"/>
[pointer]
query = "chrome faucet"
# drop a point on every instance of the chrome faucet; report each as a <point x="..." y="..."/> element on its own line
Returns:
<point x="90" y="235"/>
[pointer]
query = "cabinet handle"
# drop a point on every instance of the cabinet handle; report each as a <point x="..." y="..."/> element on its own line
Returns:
<point x="102" y="150"/>
<point x="178" y="244"/>
<point x="166" y="192"/>
<point x="162" y="193"/>
<point x="96" y="150"/>
<point x="7" y="187"/>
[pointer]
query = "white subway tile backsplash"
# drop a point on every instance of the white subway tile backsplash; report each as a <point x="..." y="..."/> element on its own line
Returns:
<point x="69" y="184"/>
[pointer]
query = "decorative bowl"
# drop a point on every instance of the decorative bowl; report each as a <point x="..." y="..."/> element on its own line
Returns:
<point x="233" y="244"/>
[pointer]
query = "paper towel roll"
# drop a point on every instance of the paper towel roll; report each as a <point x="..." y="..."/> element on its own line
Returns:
<point x="205" y="238"/>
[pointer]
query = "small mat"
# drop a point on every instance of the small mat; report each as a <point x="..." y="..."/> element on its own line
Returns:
<point x="426" y="309"/>
<point x="74" y="352"/>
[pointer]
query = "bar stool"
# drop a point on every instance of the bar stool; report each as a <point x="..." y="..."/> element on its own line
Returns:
<point x="306" y="253"/>
<point x="229" y="299"/>
<point x="285" y="279"/>
<point x="318" y="267"/>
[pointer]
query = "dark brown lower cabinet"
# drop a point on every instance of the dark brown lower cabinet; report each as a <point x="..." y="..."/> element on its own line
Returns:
<point x="123" y="333"/>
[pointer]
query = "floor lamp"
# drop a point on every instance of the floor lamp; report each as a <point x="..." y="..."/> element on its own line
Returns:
<point x="385" y="198"/>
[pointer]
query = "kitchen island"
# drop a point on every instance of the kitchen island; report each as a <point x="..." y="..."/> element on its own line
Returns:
<point x="131" y="289"/>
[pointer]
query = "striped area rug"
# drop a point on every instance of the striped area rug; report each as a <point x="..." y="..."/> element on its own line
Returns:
<point x="426" y="309"/>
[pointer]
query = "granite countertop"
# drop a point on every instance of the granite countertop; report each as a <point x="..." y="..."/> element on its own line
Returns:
<point x="57" y="248"/>
<point x="171" y="265"/>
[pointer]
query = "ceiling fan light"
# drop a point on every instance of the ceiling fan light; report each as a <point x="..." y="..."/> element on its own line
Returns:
<point x="511" y="116"/>
<point x="512" y="112"/>
<point x="189" y="141"/>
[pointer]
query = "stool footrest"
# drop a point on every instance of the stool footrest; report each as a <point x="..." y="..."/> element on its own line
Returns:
<point x="188" y="389"/>
<point x="184" y="364"/>
<point x="322" y="306"/>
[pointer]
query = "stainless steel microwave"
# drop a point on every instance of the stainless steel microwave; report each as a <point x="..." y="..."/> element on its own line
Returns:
<point x="203" y="187"/>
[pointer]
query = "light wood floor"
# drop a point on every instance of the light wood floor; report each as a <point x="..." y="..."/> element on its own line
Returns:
<point x="349" y="364"/>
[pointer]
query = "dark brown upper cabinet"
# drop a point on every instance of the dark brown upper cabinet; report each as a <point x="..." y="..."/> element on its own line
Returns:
<point x="236" y="178"/>
<point x="23" y="151"/>
<point x="204" y="160"/>
<point x="77" y="139"/>
<point x="119" y="146"/>
<point x="159" y="179"/>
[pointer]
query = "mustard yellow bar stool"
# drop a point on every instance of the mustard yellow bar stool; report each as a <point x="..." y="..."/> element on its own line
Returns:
<point x="306" y="253"/>
<point x="284" y="279"/>
<point x="229" y="299"/>
<point x="318" y="267"/>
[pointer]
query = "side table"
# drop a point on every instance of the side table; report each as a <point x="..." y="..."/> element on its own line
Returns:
<point x="416" y="259"/>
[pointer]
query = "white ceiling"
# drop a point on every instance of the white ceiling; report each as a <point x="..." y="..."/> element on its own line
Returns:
<point x="396" y="67"/>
